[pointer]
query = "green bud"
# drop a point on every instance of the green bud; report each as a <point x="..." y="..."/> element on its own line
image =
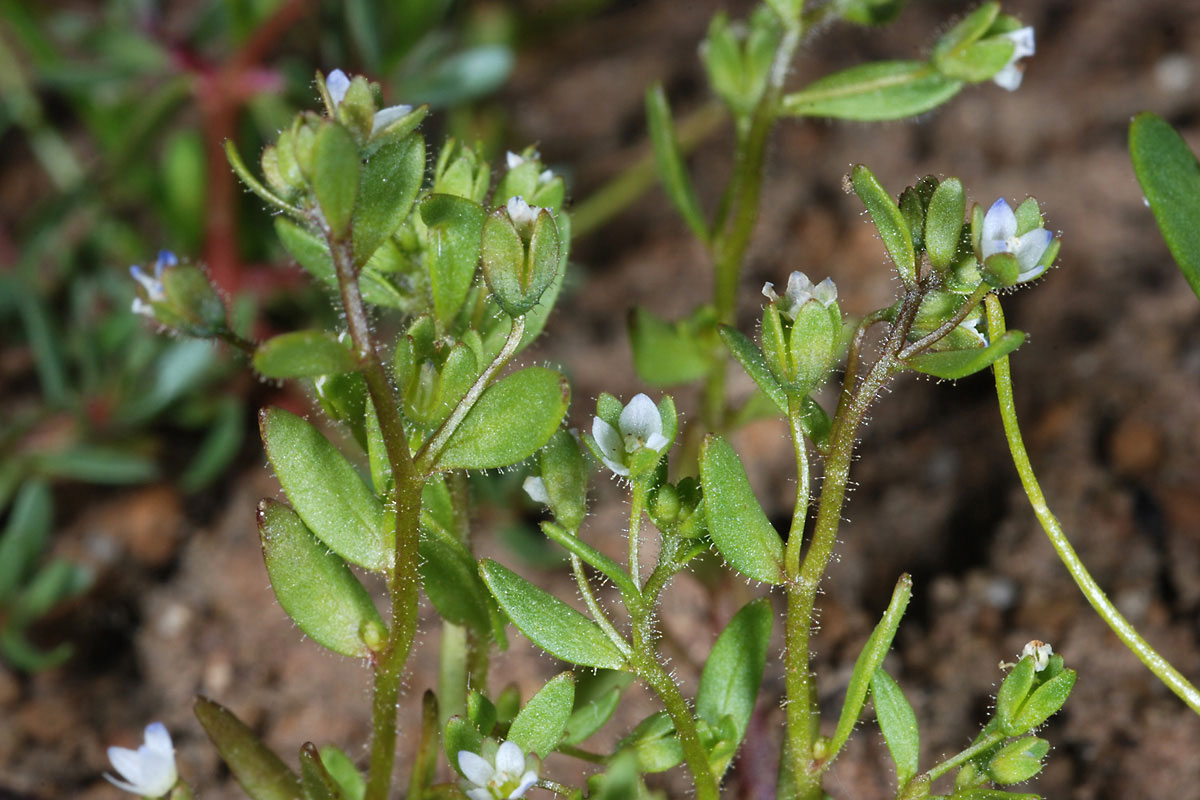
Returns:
<point x="373" y="635"/>
<point x="564" y="474"/>
<point x="665" y="506"/>
<point x="357" y="109"/>
<point x="461" y="172"/>
<point x="180" y="297"/>
<point x="801" y="333"/>
<point x="520" y="255"/>
<point x="1018" y="761"/>
<point x="1001" y="270"/>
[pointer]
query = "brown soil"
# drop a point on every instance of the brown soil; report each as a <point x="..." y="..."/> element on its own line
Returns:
<point x="1107" y="387"/>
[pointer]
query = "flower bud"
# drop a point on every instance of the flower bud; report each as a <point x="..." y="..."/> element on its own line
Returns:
<point x="461" y="172"/>
<point x="801" y="332"/>
<point x="180" y="297"/>
<point x="520" y="255"/>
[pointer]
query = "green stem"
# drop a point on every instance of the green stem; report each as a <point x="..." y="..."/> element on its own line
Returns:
<point x="427" y="456"/>
<point x="645" y="661"/>
<point x="403" y="579"/>
<point x="1058" y="538"/>
<point x="601" y="619"/>
<point x="637" y="506"/>
<point x="987" y="741"/>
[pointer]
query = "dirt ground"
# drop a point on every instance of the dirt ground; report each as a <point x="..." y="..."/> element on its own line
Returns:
<point x="1108" y="389"/>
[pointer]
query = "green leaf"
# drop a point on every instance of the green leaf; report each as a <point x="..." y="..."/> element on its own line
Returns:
<point x="455" y="239"/>
<point x="955" y="364"/>
<point x="326" y="491"/>
<point x="314" y="586"/>
<point x="898" y="723"/>
<point x="888" y="221"/>
<point x="342" y="770"/>
<point x="966" y="32"/>
<point x="1018" y="761"/>
<point x="736" y="522"/>
<point x="25" y="536"/>
<point x="540" y="725"/>
<point x="991" y="794"/>
<point x="95" y="463"/>
<point x="733" y="671"/>
<point x="1012" y="695"/>
<point x="317" y="783"/>
<point x="752" y="360"/>
<point x="944" y="222"/>
<point x="550" y="623"/>
<point x="664" y="353"/>
<point x="870" y="12"/>
<point x="620" y="779"/>
<point x="253" y="183"/>
<point x="335" y="177"/>
<point x="1170" y="178"/>
<point x="388" y="186"/>
<point x="869" y="660"/>
<point x="260" y="772"/>
<point x="512" y="420"/>
<point x="671" y="169"/>
<point x="311" y="253"/>
<point x="450" y="577"/>
<point x="1045" y="701"/>
<point x="883" y="90"/>
<point x="303" y="354"/>
<point x="596" y="698"/>
<point x="53" y="583"/>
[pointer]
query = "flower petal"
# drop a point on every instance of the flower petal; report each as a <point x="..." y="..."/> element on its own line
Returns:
<point x="1009" y="78"/>
<point x="521" y="212"/>
<point x="158" y="740"/>
<point x="1023" y="42"/>
<point x="640" y="417"/>
<point x="128" y="763"/>
<point x="479" y="794"/>
<point x="768" y="291"/>
<point x="1031" y="247"/>
<point x="656" y="442"/>
<point x="513" y="160"/>
<point x="825" y="292"/>
<point x="527" y="782"/>
<point x="475" y="767"/>
<point x="337" y="83"/>
<point x="799" y="290"/>
<point x="535" y="487"/>
<point x="127" y="787"/>
<point x="612" y="448"/>
<point x="999" y="225"/>
<point x="386" y="116"/>
<point x="510" y="760"/>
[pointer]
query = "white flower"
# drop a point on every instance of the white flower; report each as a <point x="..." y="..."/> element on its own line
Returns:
<point x="799" y="291"/>
<point x="1041" y="652"/>
<point x="337" y="83"/>
<point x="535" y="487"/>
<point x="1010" y="76"/>
<point x="521" y="213"/>
<point x="512" y="775"/>
<point x="640" y="427"/>
<point x="148" y="771"/>
<point x="155" y="292"/>
<point x="1000" y="236"/>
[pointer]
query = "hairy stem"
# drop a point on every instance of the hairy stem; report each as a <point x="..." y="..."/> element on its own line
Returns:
<point x="403" y="579"/>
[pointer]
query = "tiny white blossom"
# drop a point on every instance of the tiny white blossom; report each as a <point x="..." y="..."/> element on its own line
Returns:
<point x="535" y="487"/>
<point x="337" y="83"/>
<point x="521" y="213"/>
<point x="1041" y="652"/>
<point x="513" y="160"/>
<point x="799" y="291"/>
<point x="1023" y="45"/>
<point x="639" y="426"/>
<point x="153" y="285"/>
<point x="509" y="778"/>
<point x="148" y="771"/>
<point x="1000" y="236"/>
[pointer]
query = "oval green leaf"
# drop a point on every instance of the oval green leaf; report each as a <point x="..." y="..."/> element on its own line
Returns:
<point x="548" y="622"/>
<point x="326" y="491"/>
<point x="455" y="241"/>
<point x="733" y="671"/>
<point x="314" y="586"/>
<point x="257" y="769"/>
<point x="955" y="364"/>
<point x="883" y="90"/>
<point x="335" y="177"/>
<point x="944" y="222"/>
<point x="512" y="420"/>
<point x="736" y="522"/>
<point x="303" y="354"/>
<point x="1045" y="701"/>
<point x="388" y="186"/>
<point x="540" y="725"/>
<point x="890" y="223"/>
<point x="898" y="723"/>
<point x="1170" y="178"/>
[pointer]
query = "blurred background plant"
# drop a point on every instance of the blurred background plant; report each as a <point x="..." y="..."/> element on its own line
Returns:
<point x="113" y="118"/>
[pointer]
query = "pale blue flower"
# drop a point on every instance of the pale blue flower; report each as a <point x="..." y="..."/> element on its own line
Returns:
<point x="148" y="771"/>
<point x="152" y="284"/>
<point x="799" y="291"/>
<point x="337" y="83"/>
<point x="522" y="214"/>
<point x="1000" y="236"/>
